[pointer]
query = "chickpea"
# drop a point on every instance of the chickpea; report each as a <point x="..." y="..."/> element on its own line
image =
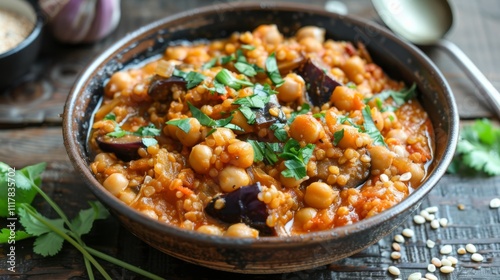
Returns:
<point x="381" y="157"/>
<point x="199" y="158"/>
<point x="347" y="99"/>
<point x="304" y="215"/>
<point x="311" y="45"/>
<point x="192" y="137"/>
<point x="417" y="174"/>
<point x="240" y="120"/>
<point x="306" y="128"/>
<point x="115" y="183"/>
<point x="398" y="134"/>
<point x="293" y="88"/>
<point x="241" y="230"/>
<point x="222" y="136"/>
<point x="269" y="34"/>
<point x="311" y="32"/>
<point x="119" y="81"/>
<point x="354" y="68"/>
<point x="232" y="178"/>
<point x="209" y="229"/>
<point x="176" y="52"/>
<point x="351" y="134"/>
<point x="241" y="153"/>
<point x="320" y="195"/>
<point x="377" y="118"/>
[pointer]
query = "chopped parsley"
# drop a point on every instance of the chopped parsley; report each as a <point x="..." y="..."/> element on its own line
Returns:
<point x="370" y="128"/>
<point x="304" y="109"/>
<point x="182" y="124"/>
<point x="337" y="136"/>
<point x="209" y="122"/>
<point x="149" y="130"/>
<point x="264" y="151"/>
<point x="110" y="117"/>
<point x="209" y="64"/>
<point x="245" y="69"/>
<point x="279" y="131"/>
<point x="192" y="78"/>
<point x="226" y="78"/>
<point x="272" y="70"/>
<point x="399" y="98"/>
<point x="218" y="88"/>
<point x="248" y="47"/>
<point x="296" y="158"/>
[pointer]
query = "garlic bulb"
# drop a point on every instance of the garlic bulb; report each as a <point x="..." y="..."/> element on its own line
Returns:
<point x="81" y="21"/>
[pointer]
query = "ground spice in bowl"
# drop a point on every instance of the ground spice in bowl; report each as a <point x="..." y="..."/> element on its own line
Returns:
<point x="14" y="28"/>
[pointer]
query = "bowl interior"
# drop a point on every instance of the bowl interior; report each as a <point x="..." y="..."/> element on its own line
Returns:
<point x="398" y="59"/>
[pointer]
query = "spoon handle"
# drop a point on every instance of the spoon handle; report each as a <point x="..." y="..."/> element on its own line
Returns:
<point x="488" y="91"/>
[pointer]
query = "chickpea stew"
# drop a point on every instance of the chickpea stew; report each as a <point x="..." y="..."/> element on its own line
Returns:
<point x="260" y="135"/>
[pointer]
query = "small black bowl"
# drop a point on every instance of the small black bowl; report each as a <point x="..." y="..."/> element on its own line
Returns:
<point x="17" y="61"/>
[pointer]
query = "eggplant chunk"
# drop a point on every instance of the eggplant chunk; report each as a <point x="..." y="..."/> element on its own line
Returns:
<point x="263" y="117"/>
<point x="160" y="88"/>
<point x="356" y="172"/>
<point x="320" y="83"/>
<point x="125" y="148"/>
<point x="242" y="205"/>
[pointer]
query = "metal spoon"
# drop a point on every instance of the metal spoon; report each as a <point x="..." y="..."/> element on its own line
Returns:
<point x="425" y="22"/>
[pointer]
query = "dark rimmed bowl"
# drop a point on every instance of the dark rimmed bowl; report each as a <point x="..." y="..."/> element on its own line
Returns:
<point x="17" y="61"/>
<point x="267" y="254"/>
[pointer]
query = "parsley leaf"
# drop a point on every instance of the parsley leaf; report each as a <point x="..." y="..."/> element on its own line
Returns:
<point x="110" y="116"/>
<point x="226" y="78"/>
<point x="245" y="69"/>
<point x="209" y="64"/>
<point x="296" y="158"/>
<point x="370" y="127"/>
<point x="279" y="131"/>
<point x="399" y="97"/>
<point x="218" y="87"/>
<point x="248" y="114"/>
<point x="265" y="151"/>
<point x="192" y="78"/>
<point x="272" y="70"/>
<point x="209" y="122"/>
<point x="337" y="136"/>
<point x="478" y="149"/>
<point x="149" y="130"/>
<point x="248" y="47"/>
<point x="119" y="132"/>
<point x="253" y="101"/>
<point x="305" y="108"/>
<point x="183" y="124"/>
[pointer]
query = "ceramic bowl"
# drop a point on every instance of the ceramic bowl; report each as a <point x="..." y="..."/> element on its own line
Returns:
<point x="266" y="254"/>
<point x="17" y="61"/>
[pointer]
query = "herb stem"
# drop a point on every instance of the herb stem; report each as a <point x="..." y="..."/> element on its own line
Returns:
<point x="122" y="264"/>
<point x="66" y="237"/>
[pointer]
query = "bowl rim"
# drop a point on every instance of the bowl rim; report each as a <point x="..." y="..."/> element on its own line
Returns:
<point x="34" y="34"/>
<point x="314" y="237"/>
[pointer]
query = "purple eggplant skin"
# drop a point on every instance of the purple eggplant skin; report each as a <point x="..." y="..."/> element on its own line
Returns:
<point x="320" y="83"/>
<point x="242" y="205"/>
<point x="160" y="88"/>
<point x="125" y="148"/>
<point x="264" y="118"/>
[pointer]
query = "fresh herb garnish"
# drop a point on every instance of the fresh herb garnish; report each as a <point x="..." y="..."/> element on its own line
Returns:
<point x="192" y="78"/>
<point x="209" y="64"/>
<point x="279" y="131"/>
<point x="272" y="70"/>
<point x="226" y="78"/>
<point x="304" y="109"/>
<point x="248" y="113"/>
<point x="183" y="124"/>
<point x="337" y="136"/>
<point x="149" y="130"/>
<point x="50" y="234"/>
<point x="296" y="158"/>
<point x="218" y="88"/>
<point x="248" y="47"/>
<point x="399" y="98"/>
<point x="343" y="119"/>
<point x="118" y="132"/>
<point x="226" y="59"/>
<point x="110" y="117"/>
<point x="265" y="151"/>
<point x="209" y="122"/>
<point x="478" y="149"/>
<point x="245" y="69"/>
<point x="370" y="128"/>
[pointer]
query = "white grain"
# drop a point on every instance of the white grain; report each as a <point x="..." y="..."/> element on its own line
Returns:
<point x="461" y="251"/>
<point x="430" y="217"/>
<point x="430" y="243"/>
<point x="418" y="219"/>
<point x="408" y="233"/>
<point x="395" y="255"/>
<point x="397" y="247"/>
<point x="443" y="222"/>
<point x="431" y="276"/>
<point x="394" y="270"/>
<point x="431" y="267"/>
<point x="446" y="262"/>
<point x="405" y="177"/>
<point x="495" y="203"/>
<point x="471" y="248"/>
<point x="477" y="257"/>
<point x="415" y="276"/>
<point x="447" y="269"/>
<point x="435" y="224"/>
<point x="432" y="209"/>
<point x="453" y="260"/>
<point x="446" y="249"/>
<point x="384" y="178"/>
<point x="399" y="238"/>
<point x="424" y="213"/>
<point x="436" y="262"/>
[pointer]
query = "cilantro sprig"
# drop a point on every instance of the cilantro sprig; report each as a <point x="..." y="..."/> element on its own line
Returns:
<point x="399" y="98"/>
<point x="370" y="128"/>
<point x="272" y="70"/>
<point x="192" y="78"/>
<point x="226" y="78"/>
<point x="145" y="132"/>
<point x="296" y="158"/>
<point x="478" y="149"/>
<point x="50" y="234"/>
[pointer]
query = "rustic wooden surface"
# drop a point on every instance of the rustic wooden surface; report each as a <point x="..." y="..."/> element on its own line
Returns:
<point x="30" y="132"/>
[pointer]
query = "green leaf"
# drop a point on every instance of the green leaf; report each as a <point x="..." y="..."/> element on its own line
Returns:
<point x="149" y="130"/>
<point x="209" y="64"/>
<point x="227" y="59"/>
<point x="258" y="150"/>
<point x="183" y="124"/>
<point x="245" y="69"/>
<point x="35" y="227"/>
<point x="252" y="101"/>
<point x="218" y="88"/>
<point x="279" y="131"/>
<point x="295" y="169"/>
<point x="118" y="132"/>
<point x="193" y="79"/>
<point x="248" y="47"/>
<point x="48" y="244"/>
<point x="248" y="114"/>
<point x="226" y="78"/>
<point x="337" y="136"/>
<point x="110" y="117"/>
<point x="265" y="151"/>
<point x="304" y="109"/>
<point x="272" y="70"/>
<point x="370" y="127"/>
<point x="296" y="158"/>
<point x="19" y="235"/>
<point x="85" y="219"/>
<point x="200" y="116"/>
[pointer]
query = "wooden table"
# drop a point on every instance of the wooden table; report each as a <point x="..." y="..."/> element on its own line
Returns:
<point x="30" y="122"/>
